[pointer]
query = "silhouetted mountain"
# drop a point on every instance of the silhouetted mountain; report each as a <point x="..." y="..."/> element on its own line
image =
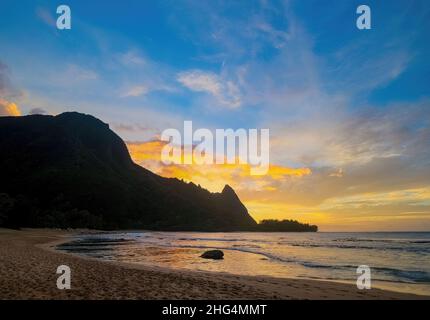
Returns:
<point x="71" y="170"/>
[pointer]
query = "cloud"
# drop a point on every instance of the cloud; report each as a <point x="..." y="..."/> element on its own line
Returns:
<point x="225" y="91"/>
<point x="278" y="38"/>
<point x="246" y="35"/>
<point x="132" y="58"/>
<point x="130" y="127"/>
<point x="211" y="176"/>
<point x="76" y="72"/>
<point x="357" y="71"/>
<point x="135" y="91"/>
<point x="368" y="151"/>
<point x="37" y="111"/>
<point x="6" y="88"/>
<point x="201" y="81"/>
<point x="8" y="108"/>
<point x="45" y="16"/>
<point x="368" y="215"/>
<point x="339" y="138"/>
<point x="4" y="81"/>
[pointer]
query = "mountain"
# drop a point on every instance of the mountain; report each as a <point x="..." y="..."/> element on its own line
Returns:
<point x="71" y="170"/>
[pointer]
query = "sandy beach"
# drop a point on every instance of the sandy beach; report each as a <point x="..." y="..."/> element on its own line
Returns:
<point x="28" y="263"/>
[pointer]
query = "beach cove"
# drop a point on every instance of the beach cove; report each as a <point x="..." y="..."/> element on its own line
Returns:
<point x="29" y="261"/>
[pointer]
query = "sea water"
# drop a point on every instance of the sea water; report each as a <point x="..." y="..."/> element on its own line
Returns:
<point x="398" y="261"/>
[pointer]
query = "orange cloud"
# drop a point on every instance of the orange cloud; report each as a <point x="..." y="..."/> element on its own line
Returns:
<point x="144" y="151"/>
<point x="277" y="172"/>
<point x="210" y="176"/>
<point x="300" y="193"/>
<point x="9" y="108"/>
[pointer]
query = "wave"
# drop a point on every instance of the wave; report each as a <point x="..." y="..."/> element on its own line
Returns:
<point x="415" y="249"/>
<point x="222" y="240"/>
<point x="412" y="241"/>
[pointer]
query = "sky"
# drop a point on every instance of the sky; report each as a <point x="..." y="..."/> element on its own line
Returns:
<point x="348" y="109"/>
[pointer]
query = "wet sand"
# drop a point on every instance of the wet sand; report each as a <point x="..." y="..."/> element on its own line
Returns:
<point x="28" y="264"/>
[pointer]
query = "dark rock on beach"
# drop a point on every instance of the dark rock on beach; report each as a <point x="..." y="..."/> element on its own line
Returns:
<point x="213" y="254"/>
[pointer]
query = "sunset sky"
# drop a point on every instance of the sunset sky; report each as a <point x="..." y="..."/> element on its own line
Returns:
<point x="348" y="110"/>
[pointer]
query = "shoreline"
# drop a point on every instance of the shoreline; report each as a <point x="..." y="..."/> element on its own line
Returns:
<point x="29" y="261"/>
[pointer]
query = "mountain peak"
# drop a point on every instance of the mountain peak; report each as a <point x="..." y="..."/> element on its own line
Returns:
<point x="228" y="190"/>
<point x="73" y="116"/>
<point x="229" y="193"/>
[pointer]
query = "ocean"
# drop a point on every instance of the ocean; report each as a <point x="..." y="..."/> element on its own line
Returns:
<point x="399" y="261"/>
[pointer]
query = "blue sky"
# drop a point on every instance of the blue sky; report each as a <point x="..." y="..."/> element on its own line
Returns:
<point x="220" y="37"/>
<point x="346" y="103"/>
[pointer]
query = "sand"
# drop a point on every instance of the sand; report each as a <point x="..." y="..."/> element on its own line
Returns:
<point x="28" y="264"/>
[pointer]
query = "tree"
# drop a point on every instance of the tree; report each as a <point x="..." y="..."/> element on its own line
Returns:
<point x="6" y="206"/>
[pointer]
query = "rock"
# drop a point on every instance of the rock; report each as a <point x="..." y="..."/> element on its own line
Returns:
<point x="213" y="254"/>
